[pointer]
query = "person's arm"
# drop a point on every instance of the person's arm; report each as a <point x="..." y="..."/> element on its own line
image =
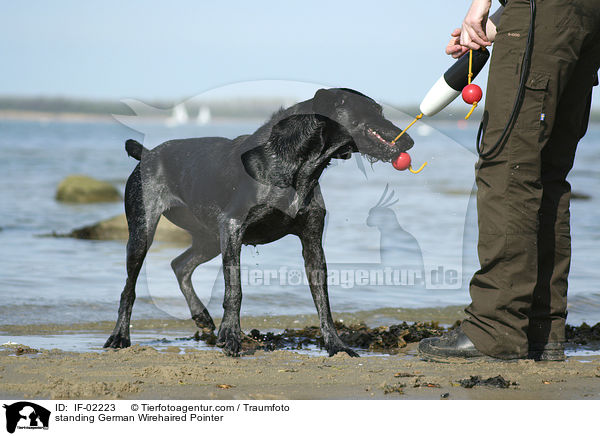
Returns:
<point x="492" y="23"/>
<point x="471" y="34"/>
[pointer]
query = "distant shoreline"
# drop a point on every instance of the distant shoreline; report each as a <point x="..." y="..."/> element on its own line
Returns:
<point x="51" y="116"/>
<point x="27" y="115"/>
<point x="40" y="116"/>
<point x="247" y="108"/>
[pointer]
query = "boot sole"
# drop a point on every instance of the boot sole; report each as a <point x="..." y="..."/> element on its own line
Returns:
<point x="548" y="356"/>
<point x="461" y="360"/>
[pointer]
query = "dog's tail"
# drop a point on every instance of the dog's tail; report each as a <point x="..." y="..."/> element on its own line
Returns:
<point x="134" y="149"/>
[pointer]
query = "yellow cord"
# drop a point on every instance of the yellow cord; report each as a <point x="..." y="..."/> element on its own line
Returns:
<point x="410" y="168"/>
<point x="471" y="111"/>
<point x="470" y="76"/>
<point x="418" y="117"/>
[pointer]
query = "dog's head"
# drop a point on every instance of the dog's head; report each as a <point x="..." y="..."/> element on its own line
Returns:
<point x="364" y="128"/>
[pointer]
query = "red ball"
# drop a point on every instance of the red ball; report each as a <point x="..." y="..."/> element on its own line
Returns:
<point x="472" y="93"/>
<point x="402" y="162"/>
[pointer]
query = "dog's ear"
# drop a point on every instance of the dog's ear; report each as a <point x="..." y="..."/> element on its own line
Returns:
<point x="285" y="130"/>
<point x="324" y="102"/>
<point x="293" y="130"/>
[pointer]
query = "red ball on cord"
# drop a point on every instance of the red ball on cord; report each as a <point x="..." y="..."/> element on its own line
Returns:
<point x="472" y="94"/>
<point x="402" y="162"/>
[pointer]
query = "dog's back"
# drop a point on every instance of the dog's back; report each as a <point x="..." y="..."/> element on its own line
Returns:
<point x="195" y="176"/>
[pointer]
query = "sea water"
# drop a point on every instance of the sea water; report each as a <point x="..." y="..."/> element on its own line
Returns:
<point x="424" y="227"/>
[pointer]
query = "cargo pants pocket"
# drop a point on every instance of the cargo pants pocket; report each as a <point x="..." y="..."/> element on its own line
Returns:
<point x="532" y="113"/>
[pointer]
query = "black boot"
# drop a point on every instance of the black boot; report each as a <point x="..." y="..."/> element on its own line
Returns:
<point x="552" y="351"/>
<point x="450" y="347"/>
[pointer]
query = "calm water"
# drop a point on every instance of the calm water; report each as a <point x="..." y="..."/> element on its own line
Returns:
<point x="62" y="280"/>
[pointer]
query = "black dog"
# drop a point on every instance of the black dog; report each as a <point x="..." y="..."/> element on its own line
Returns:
<point x="251" y="190"/>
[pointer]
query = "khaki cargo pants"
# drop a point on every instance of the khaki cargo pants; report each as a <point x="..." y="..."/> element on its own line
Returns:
<point x="519" y="296"/>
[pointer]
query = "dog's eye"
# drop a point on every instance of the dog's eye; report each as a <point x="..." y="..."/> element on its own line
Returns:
<point x="354" y="123"/>
<point x="341" y="102"/>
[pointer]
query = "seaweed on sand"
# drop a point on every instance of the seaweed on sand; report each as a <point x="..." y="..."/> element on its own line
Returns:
<point x="385" y="339"/>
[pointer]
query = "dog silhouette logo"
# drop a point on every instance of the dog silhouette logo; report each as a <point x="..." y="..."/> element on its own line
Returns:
<point x="26" y="415"/>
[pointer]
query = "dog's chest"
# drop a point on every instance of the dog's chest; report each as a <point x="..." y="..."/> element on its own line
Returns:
<point x="266" y="224"/>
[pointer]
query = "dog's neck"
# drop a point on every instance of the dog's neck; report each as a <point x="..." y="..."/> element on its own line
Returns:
<point x="293" y="149"/>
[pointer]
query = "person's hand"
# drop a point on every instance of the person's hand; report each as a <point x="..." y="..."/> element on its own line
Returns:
<point x="454" y="48"/>
<point x="472" y="35"/>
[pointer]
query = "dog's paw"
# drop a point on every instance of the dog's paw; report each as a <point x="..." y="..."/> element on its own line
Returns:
<point x="339" y="347"/>
<point x="117" y="341"/>
<point x="230" y="340"/>
<point x="347" y="350"/>
<point x="204" y="321"/>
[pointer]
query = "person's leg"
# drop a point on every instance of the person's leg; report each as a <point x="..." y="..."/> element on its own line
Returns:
<point x="546" y="332"/>
<point x="511" y="184"/>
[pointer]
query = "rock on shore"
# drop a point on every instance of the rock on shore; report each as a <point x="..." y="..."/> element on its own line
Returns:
<point x="116" y="229"/>
<point x="83" y="189"/>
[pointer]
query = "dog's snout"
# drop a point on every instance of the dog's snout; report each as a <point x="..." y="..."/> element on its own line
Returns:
<point x="405" y="142"/>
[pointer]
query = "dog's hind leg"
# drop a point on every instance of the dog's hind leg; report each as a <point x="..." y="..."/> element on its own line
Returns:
<point x="184" y="266"/>
<point x="230" y="332"/>
<point x="142" y="220"/>
<point x="316" y="271"/>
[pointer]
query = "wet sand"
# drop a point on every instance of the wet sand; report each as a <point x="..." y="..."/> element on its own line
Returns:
<point x="173" y="372"/>
<point x="145" y="373"/>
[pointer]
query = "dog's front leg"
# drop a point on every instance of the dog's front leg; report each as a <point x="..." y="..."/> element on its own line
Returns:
<point x="230" y="332"/>
<point x="316" y="271"/>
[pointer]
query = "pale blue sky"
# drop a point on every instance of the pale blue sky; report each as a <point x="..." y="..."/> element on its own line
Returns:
<point x="392" y="50"/>
<point x="177" y="49"/>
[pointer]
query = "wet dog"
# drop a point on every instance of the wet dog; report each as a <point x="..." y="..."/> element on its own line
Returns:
<point x="251" y="190"/>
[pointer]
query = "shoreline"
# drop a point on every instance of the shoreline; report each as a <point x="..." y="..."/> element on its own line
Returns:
<point x="73" y="117"/>
<point x="86" y="117"/>
<point x="446" y="315"/>
<point x="185" y="369"/>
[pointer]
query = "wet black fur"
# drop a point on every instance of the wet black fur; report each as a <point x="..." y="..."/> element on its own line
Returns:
<point x="253" y="189"/>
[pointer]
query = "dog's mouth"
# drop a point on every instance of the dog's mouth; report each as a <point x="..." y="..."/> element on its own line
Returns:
<point x="380" y="149"/>
<point x="379" y="138"/>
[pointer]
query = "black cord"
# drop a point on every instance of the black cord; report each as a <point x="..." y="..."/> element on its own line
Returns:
<point x="525" y="64"/>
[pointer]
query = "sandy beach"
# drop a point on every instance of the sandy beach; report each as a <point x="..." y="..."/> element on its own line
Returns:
<point x="174" y="372"/>
<point x="61" y="294"/>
